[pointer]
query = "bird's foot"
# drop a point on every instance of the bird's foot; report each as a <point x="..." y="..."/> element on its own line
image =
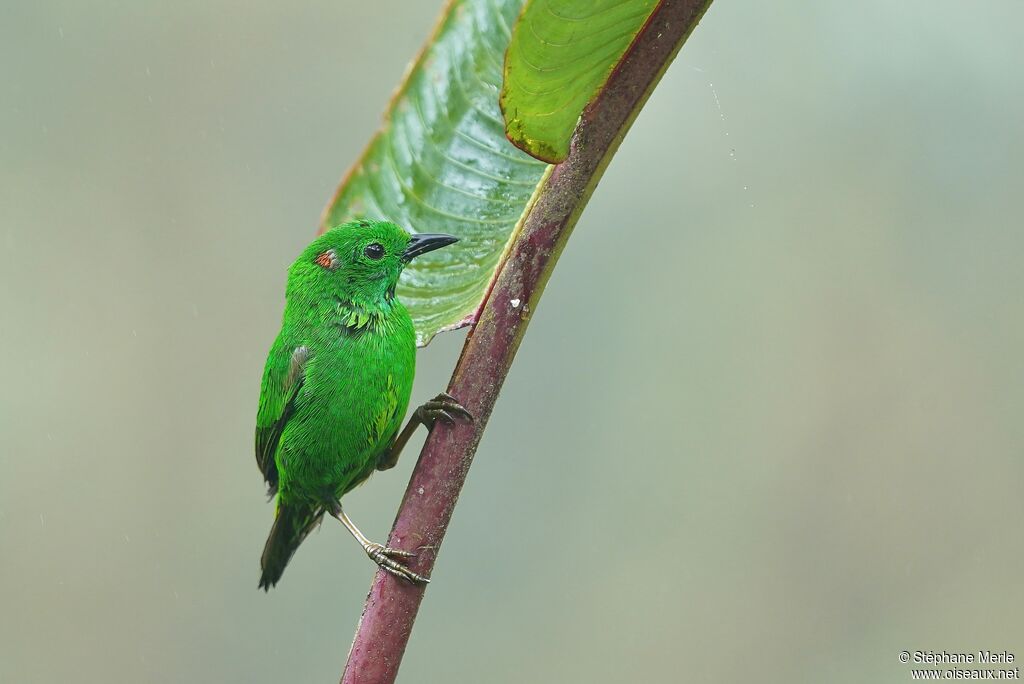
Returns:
<point x="384" y="556"/>
<point x="443" y="407"/>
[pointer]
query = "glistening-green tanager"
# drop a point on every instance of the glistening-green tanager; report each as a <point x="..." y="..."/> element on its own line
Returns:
<point x="337" y="382"/>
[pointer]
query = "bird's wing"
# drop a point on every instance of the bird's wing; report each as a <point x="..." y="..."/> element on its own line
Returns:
<point x="282" y="380"/>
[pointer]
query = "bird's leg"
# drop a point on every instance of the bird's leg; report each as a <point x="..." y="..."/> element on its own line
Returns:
<point x="442" y="407"/>
<point x="378" y="553"/>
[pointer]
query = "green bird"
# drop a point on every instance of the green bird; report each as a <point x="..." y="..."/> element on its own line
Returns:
<point x="337" y="382"/>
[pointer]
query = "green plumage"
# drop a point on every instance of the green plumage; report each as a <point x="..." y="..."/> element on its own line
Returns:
<point x="337" y="380"/>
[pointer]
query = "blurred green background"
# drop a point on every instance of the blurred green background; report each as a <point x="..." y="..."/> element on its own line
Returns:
<point x="766" y="425"/>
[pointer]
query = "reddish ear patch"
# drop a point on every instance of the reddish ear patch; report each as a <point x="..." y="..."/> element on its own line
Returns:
<point x="326" y="259"/>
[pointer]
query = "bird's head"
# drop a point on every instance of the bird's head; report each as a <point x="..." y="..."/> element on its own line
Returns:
<point x="360" y="261"/>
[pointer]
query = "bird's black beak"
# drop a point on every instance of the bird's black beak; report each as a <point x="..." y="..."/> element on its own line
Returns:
<point x="422" y="243"/>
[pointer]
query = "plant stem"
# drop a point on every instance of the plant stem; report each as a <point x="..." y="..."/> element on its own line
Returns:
<point x="492" y="342"/>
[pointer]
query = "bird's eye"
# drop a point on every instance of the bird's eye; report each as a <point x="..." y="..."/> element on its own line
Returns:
<point x="374" y="250"/>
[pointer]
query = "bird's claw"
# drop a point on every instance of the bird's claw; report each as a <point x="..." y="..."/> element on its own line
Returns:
<point x="442" y="407"/>
<point x="384" y="556"/>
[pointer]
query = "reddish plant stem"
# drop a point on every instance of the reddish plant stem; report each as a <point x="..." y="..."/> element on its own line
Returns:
<point x="492" y="342"/>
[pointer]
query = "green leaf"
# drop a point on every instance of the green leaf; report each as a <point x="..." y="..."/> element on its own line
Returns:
<point x="561" y="55"/>
<point x="441" y="163"/>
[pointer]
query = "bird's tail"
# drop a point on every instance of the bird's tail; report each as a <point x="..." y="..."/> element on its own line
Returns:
<point x="291" y="525"/>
